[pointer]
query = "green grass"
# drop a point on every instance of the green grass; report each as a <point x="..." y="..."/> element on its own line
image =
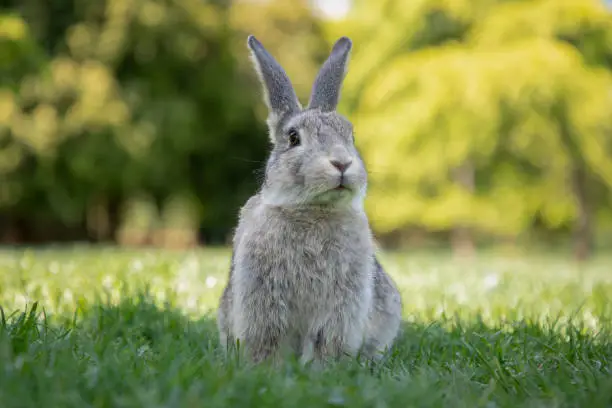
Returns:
<point x="110" y="328"/>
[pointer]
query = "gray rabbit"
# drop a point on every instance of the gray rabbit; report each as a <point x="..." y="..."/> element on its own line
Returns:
<point x="304" y="275"/>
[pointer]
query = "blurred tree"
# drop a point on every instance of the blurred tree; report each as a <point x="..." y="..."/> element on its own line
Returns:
<point x="108" y="102"/>
<point x="494" y="114"/>
<point x="138" y="119"/>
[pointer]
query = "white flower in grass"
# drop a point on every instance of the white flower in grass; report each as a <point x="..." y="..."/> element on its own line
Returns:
<point x="142" y="350"/>
<point x="211" y="282"/>
<point x="54" y="267"/>
<point x="107" y="282"/>
<point x="68" y="297"/>
<point x="136" y="265"/>
<point x="192" y="302"/>
<point x="491" y="281"/>
<point x="182" y="285"/>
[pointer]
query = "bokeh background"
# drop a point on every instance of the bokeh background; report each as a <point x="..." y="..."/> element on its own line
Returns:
<point x="140" y="122"/>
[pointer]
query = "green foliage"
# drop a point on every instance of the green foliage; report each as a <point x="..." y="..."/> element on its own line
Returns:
<point x="478" y="113"/>
<point x="140" y="120"/>
<point x="87" y="327"/>
<point x="113" y="100"/>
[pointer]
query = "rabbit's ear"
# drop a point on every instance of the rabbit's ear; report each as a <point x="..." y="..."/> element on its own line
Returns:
<point x="278" y="91"/>
<point x="326" y="89"/>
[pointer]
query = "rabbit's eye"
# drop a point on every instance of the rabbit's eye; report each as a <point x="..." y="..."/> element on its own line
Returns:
<point x="294" y="137"/>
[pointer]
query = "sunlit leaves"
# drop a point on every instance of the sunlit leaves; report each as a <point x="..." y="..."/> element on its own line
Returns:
<point x="498" y="97"/>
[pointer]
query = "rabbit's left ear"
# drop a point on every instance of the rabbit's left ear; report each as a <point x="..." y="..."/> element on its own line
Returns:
<point x="326" y="89"/>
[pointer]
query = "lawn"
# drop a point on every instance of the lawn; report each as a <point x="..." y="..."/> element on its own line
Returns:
<point x="89" y="327"/>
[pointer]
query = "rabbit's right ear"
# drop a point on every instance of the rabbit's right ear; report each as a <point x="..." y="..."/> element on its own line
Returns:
<point x="278" y="90"/>
<point x="326" y="89"/>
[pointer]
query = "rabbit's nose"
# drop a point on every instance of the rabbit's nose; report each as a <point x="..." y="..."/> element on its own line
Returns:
<point x="341" y="165"/>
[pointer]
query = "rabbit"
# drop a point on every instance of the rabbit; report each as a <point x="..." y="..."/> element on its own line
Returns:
<point x="304" y="275"/>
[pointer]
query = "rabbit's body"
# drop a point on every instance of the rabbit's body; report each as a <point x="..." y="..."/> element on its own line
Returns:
<point x="304" y="274"/>
<point x="316" y="298"/>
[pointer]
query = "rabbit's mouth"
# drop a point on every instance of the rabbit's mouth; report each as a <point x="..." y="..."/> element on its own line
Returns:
<point x="342" y="188"/>
<point x="341" y="185"/>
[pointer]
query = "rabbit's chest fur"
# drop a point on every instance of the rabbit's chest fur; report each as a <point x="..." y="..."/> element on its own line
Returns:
<point x="308" y="262"/>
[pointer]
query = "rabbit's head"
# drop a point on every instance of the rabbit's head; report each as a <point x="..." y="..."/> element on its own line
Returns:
<point x="314" y="159"/>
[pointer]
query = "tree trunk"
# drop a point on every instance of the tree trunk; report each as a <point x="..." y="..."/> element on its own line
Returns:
<point x="97" y="219"/>
<point x="579" y="177"/>
<point x="583" y="232"/>
<point x="462" y="241"/>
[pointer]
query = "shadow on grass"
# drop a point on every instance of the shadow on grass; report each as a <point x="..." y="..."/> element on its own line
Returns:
<point x="139" y="354"/>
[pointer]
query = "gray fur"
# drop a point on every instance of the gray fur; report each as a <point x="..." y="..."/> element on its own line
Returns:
<point x="279" y="94"/>
<point x="326" y="89"/>
<point x="304" y="275"/>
